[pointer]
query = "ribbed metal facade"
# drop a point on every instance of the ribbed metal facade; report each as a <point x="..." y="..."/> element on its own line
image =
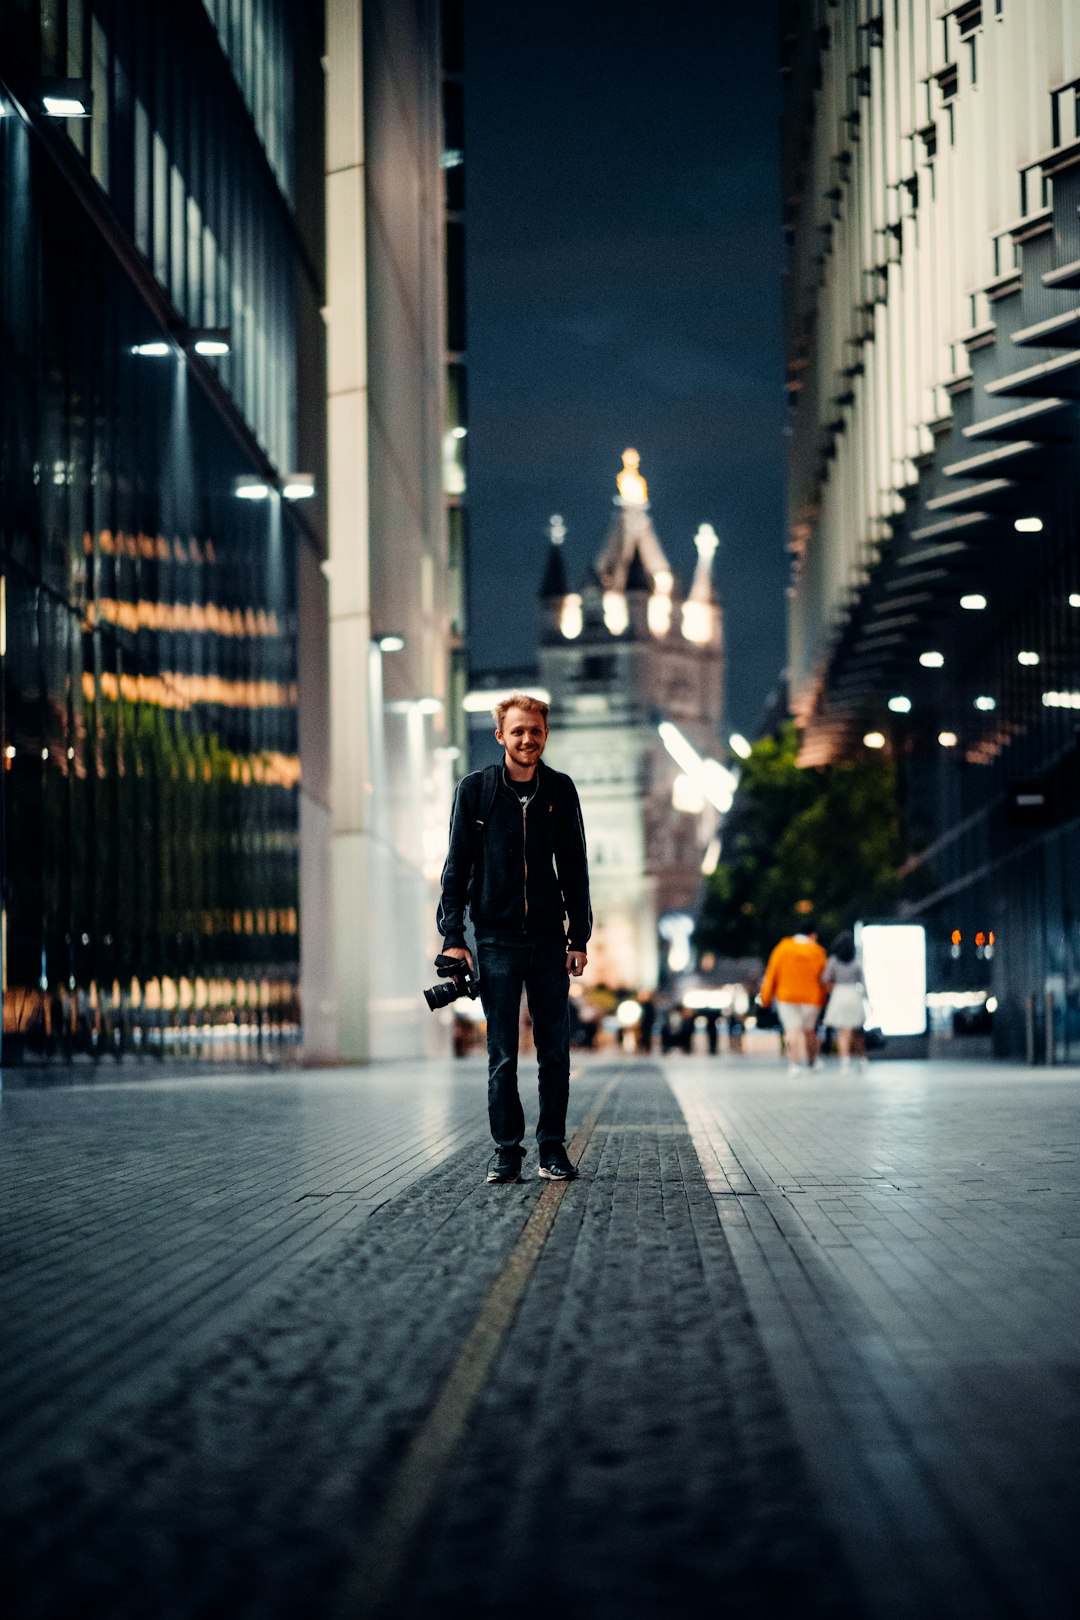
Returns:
<point x="933" y="184"/>
<point x="149" y="617"/>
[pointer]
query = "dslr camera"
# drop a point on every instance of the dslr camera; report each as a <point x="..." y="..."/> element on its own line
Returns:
<point x="456" y="980"/>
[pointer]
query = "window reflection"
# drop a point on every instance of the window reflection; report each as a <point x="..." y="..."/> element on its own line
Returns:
<point x="150" y="733"/>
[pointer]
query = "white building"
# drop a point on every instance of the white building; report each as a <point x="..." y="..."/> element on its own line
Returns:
<point x="932" y="185"/>
<point x="622" y="657"/>
<point x="378" y="799"/>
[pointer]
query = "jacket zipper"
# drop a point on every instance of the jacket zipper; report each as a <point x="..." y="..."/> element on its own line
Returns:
<point x="525" y="862"/>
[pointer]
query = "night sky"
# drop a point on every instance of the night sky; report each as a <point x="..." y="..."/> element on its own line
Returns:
<point x="625" y="260"/>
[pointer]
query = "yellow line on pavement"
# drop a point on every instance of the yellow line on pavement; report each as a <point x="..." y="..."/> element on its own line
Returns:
<point x="420" y="1471"/>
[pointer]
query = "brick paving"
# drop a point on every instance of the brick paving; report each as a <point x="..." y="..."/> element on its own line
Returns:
<point x="143" y="1217"/>
<point x="791" y="1346"/>
<point x="909" y="1241"/>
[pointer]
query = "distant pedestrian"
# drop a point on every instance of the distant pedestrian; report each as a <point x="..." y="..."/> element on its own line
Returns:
<point x="735" y="1027"/>
<point x="793" y="980"/>
<point x="845" y="1011"/>
<point x="647" y="1022"/>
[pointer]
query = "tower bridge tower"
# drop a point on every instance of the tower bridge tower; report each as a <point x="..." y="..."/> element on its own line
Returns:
<point x="622" y="653"/>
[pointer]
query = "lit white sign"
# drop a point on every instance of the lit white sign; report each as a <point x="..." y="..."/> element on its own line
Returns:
<point x="894" y="969"/>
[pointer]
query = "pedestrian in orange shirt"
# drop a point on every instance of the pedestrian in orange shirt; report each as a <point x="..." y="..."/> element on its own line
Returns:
<point x="793" y="980"/>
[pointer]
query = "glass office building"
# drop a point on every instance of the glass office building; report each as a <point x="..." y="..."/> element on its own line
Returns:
<point x="933" y="186"/>
<point x="162" y="449"/>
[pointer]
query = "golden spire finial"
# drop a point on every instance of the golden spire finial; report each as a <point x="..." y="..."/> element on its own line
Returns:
<point x="633" y="489"/>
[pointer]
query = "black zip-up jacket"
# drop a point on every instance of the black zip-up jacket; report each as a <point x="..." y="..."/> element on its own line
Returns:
<point x="525" y="874"/>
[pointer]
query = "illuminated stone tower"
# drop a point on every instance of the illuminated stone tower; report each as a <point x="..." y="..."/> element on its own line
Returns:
<point x="622" y="655"/>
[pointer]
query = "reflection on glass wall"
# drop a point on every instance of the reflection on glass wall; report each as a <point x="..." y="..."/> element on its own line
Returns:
<point x="192" y="134"/>
<point x="148" y="640"/>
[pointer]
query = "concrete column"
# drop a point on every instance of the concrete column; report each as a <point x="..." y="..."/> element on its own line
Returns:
<point x="349" y="568"/>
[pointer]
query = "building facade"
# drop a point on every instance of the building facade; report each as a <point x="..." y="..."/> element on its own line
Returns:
<point x="933" y="185"/>
<point x="232" y="541"/>
<point x="396" y="569"/>
<point x="161" y="416"/>
<point x="635" y="669"/>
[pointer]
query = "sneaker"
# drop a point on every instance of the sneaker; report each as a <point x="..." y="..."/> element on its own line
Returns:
<point x="794" y="1068"/>
<point x="554" y="1164"/>
<point x="507" y="1165"/>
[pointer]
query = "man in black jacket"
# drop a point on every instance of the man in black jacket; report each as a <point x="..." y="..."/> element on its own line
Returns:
<point x="517" y="860"/>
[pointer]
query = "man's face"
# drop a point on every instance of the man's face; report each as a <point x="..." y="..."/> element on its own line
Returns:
<point x="523" y="735"/>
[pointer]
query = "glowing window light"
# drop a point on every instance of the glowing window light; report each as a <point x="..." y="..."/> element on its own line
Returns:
<point x="974" y="603"/>
<point x="453" y="466"/>
<point x="299" y="487"/>
<point x="211" y="347"/>
<point x="616" y="613"/>
<point x="1061" y="700"/>
<point x="429" y="705"/>
<point x="986" y="704"/>
<point x="711" y="859"/>
<point x="687" y="795"/>
<point x="900" y="705"/>
<point x="932" y="660"/>
<point x="389" y="644"/>
<point x="1028" y="525"/>
<point x="152" y="351"/>
<point x="1074" y="599"/>
<point x="697" y="622"/>
<point x="1028" y="658"/>
<point x="947" y="739"/>
<point x="874" y="739"/>
<point x="739" y="745"/>
<point x="570" y="617"/>
<point x="658" y="614"/>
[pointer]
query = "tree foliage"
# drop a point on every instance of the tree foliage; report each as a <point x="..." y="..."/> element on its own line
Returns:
<point x="821" y="846"/>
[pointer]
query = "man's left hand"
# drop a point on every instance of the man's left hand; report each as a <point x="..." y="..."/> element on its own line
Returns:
<point x="575" y="963"/>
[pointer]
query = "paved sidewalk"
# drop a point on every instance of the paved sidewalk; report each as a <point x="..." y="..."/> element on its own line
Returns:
<point x="273" y="1349"/>
<point x="909" y="1241"/>
<point x="143" y="1217"/>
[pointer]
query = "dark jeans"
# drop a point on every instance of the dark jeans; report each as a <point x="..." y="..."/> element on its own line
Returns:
<point x="541" y="968"/>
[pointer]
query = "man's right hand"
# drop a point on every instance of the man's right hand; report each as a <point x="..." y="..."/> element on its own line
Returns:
<point x="462" y="955"/>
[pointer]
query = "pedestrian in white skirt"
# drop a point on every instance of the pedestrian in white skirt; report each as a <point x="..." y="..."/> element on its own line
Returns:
<point x="845" y="1010"/>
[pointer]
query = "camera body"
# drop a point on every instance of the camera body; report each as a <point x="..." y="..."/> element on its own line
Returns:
<point x="455" y="981"/>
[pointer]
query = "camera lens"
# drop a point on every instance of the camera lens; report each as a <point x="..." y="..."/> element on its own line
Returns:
<point x="441" y="995"/>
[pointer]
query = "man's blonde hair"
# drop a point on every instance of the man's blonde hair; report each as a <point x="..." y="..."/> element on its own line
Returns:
<point x="519" y="700"/>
